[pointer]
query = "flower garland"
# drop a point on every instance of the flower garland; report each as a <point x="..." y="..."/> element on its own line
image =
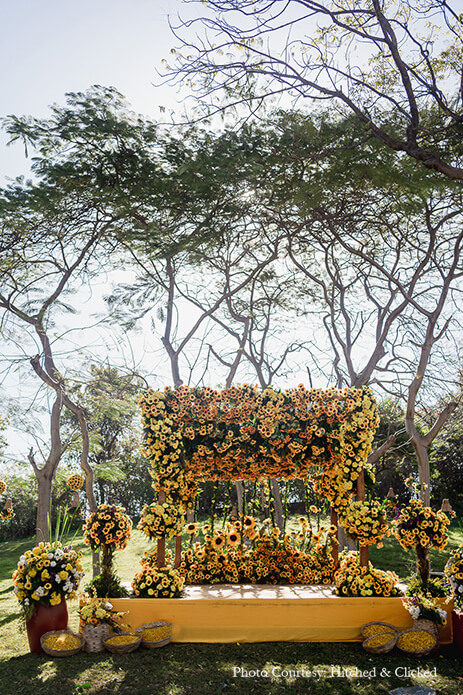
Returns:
<point x="242" y="433"/>
<point x="108" y="526"/>
<point x="47" y="573"/>
<point x="152" y="582"/>
<point x="365" y="522"/>
<point x="454" y="573"/>
<point x="417" y="525"/>
<point x="352" y="579"/>
<point x="159" y="520"/>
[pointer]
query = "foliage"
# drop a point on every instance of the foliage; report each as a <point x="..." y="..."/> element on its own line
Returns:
<point x="353" y="579"/>
<point x="107" y="584"/>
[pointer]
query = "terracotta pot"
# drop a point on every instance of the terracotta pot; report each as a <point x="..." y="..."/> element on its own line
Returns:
<point x="45" y="619"/>
<point x="457" y="619"/>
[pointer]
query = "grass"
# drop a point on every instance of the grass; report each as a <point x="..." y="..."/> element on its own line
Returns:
<point x="210" y="669"/>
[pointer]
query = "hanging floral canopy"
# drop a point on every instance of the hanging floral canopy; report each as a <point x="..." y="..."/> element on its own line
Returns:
<point x="244" y="433"/>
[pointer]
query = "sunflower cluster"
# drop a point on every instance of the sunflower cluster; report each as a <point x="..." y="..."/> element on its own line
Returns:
<point x="417" y="525"/>
<point x="352" y="579"/>
<point x="161" y="520"/>
<point x="108" y="526"/>
<point x="242" y="553"/>
<point x="154" y="582"/>
<point x="242" y="433"/>
<point x="7" y="512"/>
<point x="75" y="482"/>
<point x="366" y="522"/>
<point x="454" y="573"/>
<point x="47" y="573"/>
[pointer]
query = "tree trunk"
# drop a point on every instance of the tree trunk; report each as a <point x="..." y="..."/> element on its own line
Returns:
<point x="422" y="457"/>
<point x="43" y="521"/>
<point x="277" y="503"/>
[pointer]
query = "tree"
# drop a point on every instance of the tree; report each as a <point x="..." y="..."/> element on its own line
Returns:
<point x="110" y="401"/>
<point x="397" y="67"/>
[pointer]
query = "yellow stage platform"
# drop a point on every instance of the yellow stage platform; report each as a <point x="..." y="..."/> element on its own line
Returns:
<point x="268" y="613"/>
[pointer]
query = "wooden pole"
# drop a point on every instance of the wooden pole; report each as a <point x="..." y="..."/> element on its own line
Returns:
<point x="361" y="496"/>
<point x="161" y="544"/>
<point x="178" y="550"/>
<point x="335" y="548"/>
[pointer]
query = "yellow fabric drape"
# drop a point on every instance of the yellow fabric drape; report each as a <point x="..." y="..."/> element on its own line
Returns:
<point x="225" y="613"/>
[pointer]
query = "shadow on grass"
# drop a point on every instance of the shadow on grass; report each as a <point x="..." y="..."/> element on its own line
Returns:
<point x="9" y="619"/>
<point x="9" y="589"/>
<point x="200" y="669"/>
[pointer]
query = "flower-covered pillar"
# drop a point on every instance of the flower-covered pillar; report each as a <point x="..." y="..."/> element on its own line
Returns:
<point x="361" y="498"/>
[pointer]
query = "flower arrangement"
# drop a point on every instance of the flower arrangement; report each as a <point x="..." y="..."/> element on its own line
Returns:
<point x="246" y="552"/>
<point x="365" y="522"/>
<point x="243" y="433"/>
<point x="110" y="528"/>
<point x="417" y="525"/>
<point x="454" y="573"/>
<point x="46" y="574"/>
<point x="159" y="520"/>
<point x="352" y="579"/>
<point x="422" y="607"/>
<point x="420" y="527"/>
<point x="97" y="611"/>
<point x="154" y="582"/>
<point x="75" y="482"/>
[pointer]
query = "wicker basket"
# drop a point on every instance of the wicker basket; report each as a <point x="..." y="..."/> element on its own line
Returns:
<point x="427" y="625"/>
<point x="123" y="648"/>
<point x="61" y="652"/>
<point x="94" y="636"/>
<point x="417" y="652"/>
<point x="383" y="648"/>
<point x="158" y="643"/>
<point x="385" y="627"/>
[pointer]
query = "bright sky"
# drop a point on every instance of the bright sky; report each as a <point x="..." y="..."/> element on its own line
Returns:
<point x="52" y="47"/>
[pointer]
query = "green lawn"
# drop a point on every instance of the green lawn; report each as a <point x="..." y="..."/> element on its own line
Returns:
<point x="213" y="669"/>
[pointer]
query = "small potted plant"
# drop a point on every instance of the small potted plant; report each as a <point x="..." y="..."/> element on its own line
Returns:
<point x="454" y="574"/>
<point x="97" y="619"/>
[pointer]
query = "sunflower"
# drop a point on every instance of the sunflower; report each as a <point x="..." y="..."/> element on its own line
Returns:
<point x="233" y="539"/>
<point x="218" y="541"/>
<point x="191" y="528"/>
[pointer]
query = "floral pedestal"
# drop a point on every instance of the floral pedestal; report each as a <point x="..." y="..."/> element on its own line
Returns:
<point x="45" y="619"/>
<point x="457" y="618"/>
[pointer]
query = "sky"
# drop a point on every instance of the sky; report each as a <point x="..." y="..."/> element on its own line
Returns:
<point x="52" y="47"/>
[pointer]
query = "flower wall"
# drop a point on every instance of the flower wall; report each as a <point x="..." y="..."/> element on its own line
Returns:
<point x="243" y="433"/>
